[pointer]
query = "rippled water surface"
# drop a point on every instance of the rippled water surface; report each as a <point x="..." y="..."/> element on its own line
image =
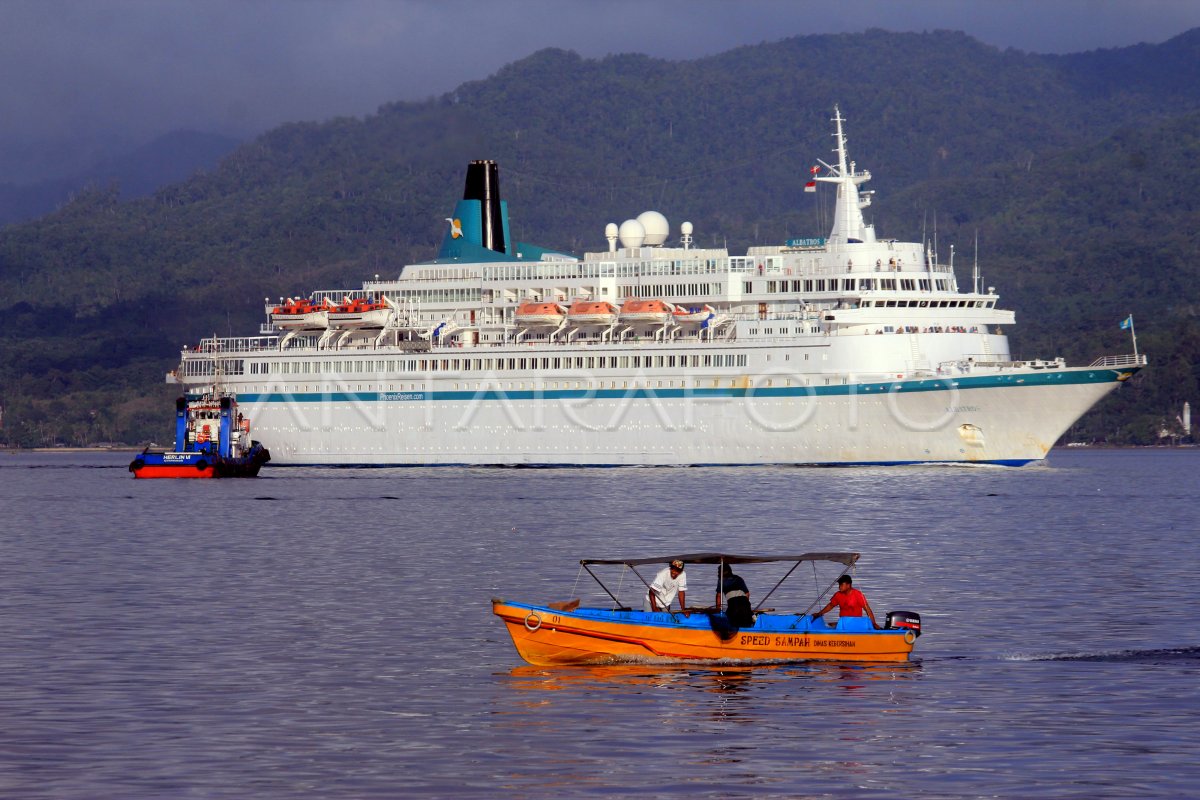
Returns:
<point x="327" y="633"/>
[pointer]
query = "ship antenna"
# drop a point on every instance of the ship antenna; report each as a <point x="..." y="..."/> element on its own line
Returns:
<point x="841" y="140"/>
<point x="848" y="223"/>
<point x="935" y="242"/>
<point x="975" y="271"/>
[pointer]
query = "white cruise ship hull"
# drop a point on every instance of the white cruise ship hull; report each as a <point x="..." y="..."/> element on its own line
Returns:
<point x="1007" y="418"/>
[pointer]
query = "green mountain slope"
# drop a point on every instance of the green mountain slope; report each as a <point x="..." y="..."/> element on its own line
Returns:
<point x="1073" y="170"/>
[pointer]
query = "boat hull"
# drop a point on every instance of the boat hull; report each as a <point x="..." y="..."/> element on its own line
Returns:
<point x="1011" y="418"/>
<point x="193" y="465"/>
<point x="548" y="637"/>
<point x="376" y="318"/>
<point x="314" y="320"/>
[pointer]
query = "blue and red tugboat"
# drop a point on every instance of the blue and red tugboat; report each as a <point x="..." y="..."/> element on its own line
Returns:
<point x="212" y="440"/>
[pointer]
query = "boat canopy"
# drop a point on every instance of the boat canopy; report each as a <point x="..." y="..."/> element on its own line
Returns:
<point x="724" y="558"/>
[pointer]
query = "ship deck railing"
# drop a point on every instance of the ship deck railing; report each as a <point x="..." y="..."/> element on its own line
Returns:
<point x="971" y="363"/>
<point x="1128" y="360"/>
<point x="239" y="344"/>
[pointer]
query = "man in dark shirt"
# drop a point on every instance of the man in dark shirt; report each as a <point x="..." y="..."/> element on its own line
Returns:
<point x="737" y="599"/>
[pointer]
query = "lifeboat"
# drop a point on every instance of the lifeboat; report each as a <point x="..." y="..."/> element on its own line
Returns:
<point x="301" y="314"/>
<point x="645" y="312"/>
<point x="583" y="312"/>
<point x="539" y="315"/>
<point x="360" y="313"/>
<point x="693" y="316"/>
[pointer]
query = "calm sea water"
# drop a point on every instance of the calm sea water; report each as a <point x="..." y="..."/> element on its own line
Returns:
<point x="327" y="633"/>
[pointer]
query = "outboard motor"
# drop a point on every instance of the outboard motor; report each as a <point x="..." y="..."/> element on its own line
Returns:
<point x="904" y="620"/>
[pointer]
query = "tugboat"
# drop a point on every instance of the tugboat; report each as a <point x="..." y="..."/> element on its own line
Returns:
<point x="212" y="440"/>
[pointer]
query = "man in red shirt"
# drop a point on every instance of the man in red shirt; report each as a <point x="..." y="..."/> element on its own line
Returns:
<point x="850" y="601"/>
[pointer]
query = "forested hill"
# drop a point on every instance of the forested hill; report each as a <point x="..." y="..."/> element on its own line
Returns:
<point x="1074" y="171"/>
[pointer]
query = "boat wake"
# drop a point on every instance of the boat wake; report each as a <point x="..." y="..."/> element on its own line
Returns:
<point x="1148" y="656"/>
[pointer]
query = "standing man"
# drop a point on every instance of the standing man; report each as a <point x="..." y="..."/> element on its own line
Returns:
<point x="667" y="583"/>
<point x="850" y="601"/>
<point x="737" y="598"/>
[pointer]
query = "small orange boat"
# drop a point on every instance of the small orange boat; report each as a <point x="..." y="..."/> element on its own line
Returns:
<point x="359" y="313"/>
<point x="566" y="633"/>
<point x="539" y="315"/>
<point x="585" y="312"/>
<point x="300" y="314"/>
<point x="645" y="312"/>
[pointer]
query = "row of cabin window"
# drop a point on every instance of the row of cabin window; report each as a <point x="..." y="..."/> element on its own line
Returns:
<point x="493" y="364"/>
<point x="194" y="368"/>
<point x="851" y="285"/>
<point x="601" y="269"/>
<point x="671" y="290"/>
<point x="928" y="303"/>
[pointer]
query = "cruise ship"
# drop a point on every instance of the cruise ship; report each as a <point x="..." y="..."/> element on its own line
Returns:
<point x="839" y="350"/>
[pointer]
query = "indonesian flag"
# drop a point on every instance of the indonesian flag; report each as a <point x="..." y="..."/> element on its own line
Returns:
<point x="811" y="186"/>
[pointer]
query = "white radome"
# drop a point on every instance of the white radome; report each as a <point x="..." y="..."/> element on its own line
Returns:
<point x="632" y="233"/>
<point x="657" y="227"/>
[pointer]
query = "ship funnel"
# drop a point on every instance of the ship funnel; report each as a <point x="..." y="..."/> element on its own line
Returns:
<point x="478" y="231"/>
<point x="483" y="184"/>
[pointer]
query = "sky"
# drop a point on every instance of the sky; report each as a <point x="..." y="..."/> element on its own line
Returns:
<point x="85" y="78"/>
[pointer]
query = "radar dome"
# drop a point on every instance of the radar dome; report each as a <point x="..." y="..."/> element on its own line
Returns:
<point x="656" y="227"/>
<point x="610" y="229"/>
<point x="632" y="233"/>
<point x="686" y="229"/>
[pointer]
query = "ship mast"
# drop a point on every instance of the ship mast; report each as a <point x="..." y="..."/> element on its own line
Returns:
<point x="848" y="223"/>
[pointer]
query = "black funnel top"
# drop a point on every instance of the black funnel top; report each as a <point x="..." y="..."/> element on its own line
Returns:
<point x="483" y="184"/>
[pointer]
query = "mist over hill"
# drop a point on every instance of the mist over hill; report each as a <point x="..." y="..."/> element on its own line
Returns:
<point x="1072" y="171"/>
<point x="167" y="159"/>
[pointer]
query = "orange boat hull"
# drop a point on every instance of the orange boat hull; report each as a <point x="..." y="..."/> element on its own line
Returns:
<point x="544" y="636"/>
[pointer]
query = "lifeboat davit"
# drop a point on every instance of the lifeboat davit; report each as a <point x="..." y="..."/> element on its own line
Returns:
<point x="693" y="316"/>
<point x="539" y="315"/>
<point x="583" y="312"/>
<point x="360" y="313"/>
<point x="645" y="312"/>
<point x="296" y="315"/>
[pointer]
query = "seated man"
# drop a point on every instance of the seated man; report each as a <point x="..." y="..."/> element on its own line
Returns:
<point x="850" y="601"/>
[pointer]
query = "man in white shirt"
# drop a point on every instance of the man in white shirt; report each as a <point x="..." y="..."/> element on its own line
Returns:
<point x="667" y="583"/>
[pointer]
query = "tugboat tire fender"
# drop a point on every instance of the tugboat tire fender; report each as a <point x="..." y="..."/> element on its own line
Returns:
<point x="201" y="465"/>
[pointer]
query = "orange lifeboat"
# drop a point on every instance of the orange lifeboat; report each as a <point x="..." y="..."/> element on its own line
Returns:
<point x="539" y="315"/>
<point x="299" y="314"/>
<point x="645" y="312"/>
<point x="583" y="312"/>
<point x="693" y="316"/>
<point x="359" y="313"/>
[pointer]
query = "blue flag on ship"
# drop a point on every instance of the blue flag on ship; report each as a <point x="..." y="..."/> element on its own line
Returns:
<point x="1127" y="323"/>
<point x="437" y="332"/>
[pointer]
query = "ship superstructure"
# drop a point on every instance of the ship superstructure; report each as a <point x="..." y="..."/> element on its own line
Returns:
<point x="846" y="349"/>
